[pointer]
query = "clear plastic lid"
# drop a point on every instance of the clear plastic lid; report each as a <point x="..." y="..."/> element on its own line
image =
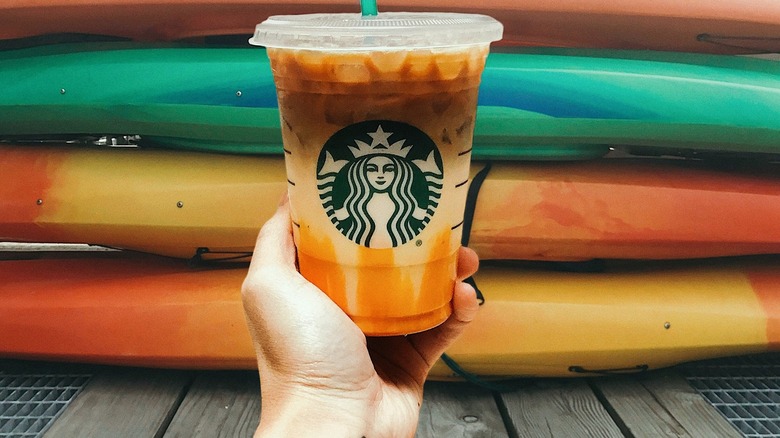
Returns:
<point x="385" y="31"/>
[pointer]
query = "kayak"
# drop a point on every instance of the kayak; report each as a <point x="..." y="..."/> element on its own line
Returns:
<point x="728" y="26"/>
<point x="534" y="103"/>
<point x="159" y="202"/>
<point x="124" y="309"/>
<point x="189" y="204"/>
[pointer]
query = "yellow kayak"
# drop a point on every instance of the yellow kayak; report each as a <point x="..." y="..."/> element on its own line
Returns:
<point x="182" y="204"/>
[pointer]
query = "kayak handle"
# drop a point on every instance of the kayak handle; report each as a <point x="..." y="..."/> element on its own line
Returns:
<point x="606" y="372"/>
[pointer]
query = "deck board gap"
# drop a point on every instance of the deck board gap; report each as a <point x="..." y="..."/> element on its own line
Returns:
<point x="174" y="408"/>
<point x="505" y="417"/>
<point x="619" y="422"/>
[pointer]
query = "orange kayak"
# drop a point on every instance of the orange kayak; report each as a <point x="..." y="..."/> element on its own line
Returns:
<point x="177" y="203"/>
<point x="727" y="26"/>
<point x="118" y="308"/>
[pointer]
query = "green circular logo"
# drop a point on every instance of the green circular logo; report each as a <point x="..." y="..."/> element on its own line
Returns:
<point x="380" y="182"/>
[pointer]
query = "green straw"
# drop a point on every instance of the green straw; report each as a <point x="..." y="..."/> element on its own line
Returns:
<point x="368" y="8"/>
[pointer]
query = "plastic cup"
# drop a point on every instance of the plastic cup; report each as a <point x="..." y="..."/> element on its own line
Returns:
<point x="377" y="118"/>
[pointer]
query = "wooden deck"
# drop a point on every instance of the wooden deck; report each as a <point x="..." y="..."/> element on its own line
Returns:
<point x="130" y="402"/>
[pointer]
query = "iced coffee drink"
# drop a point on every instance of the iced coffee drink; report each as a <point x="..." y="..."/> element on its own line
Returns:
<point x="377" y="142"/>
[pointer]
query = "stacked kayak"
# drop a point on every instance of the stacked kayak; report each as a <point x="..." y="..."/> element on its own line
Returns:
<point x="534" y="103"/>
<point x="726" y="26"/>
<point x="188" y="204"/>
<point x="625" y="204"/>
<point x="121" y="308"/>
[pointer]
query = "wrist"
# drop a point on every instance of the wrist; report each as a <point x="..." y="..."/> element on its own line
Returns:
<point x="304" y="413"/>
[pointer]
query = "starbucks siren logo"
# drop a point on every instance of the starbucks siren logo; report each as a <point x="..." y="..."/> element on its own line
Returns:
<point x="380" y="182"/>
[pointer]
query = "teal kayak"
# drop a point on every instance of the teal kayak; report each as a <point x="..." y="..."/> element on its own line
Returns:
<point x="534" y="103"/>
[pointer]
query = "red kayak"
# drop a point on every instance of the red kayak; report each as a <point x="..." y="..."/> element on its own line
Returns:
<point x="726" y="26"/>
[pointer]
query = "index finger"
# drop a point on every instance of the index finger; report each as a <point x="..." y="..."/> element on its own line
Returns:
<point x="274" y="245"/>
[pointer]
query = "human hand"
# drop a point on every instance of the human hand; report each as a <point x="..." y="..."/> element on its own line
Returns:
<point x="319" y="374"/>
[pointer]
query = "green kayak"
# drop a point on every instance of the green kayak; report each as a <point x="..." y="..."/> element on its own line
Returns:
<point x="534" y="103"/>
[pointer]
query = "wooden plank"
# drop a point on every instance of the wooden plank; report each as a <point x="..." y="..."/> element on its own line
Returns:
<point x="693" y="412"/>
<point x="636" y="408"/>
<point x="688" y="407"/>
<point x="662" y="404"/>
<point x="123" y="402"/>
<point x="456" y="409"/>
<point x="219" y="404"/>
<point x="557" y="408"/>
